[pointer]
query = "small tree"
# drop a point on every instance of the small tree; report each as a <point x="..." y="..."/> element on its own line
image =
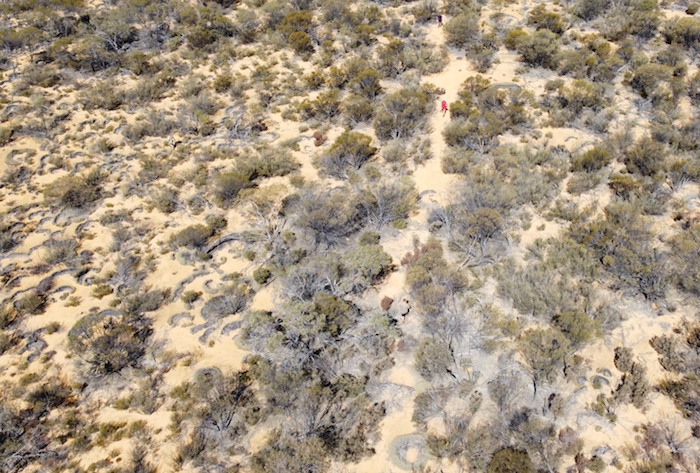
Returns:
<point x="110" y="343"/>
<point x="349" y="152"/>
<point x="544" y="352"/>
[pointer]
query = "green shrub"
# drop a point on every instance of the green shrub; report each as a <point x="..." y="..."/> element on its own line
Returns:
<point x="301" y="43"/>
<point x="684" y="31"/>
<point x="228" y="185"/>
<point x="692" y="8"/>
<point x="358" y="109"/>
<point x="540" y="18"/>
<point x="262" y="275"/>
<point x="434" y="359"/>
<point x="75" y="191"/>
<point x="539" y="49"/>
<point x="402" y="114"/>
<point x="109" y="344"/>
<point x="194" y="236"/>
<point x="188" y="297"/>
<point x="33" y="303"/>
<point x="511" y="460"/>
<point x="591" y="160"/>
<point x="462" y="30"/>
<point x="349" y="152"/>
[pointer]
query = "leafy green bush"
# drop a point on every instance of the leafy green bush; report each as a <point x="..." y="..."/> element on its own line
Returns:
<point x="539" y="49"/>
<point x="591" y="160"/>
<point x="402" y="114"/>
<point x="301" y="43"/>
<point x="540" y="18"/>
<point x="684" y="31"/>
<point x="262" y="275"/>
<point x="462" y="30"/>
<point x="228" y="185"/>
<point x="349" y="152"/>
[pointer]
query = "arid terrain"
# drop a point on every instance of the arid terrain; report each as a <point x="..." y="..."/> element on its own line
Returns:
<point x="246" y="237"/>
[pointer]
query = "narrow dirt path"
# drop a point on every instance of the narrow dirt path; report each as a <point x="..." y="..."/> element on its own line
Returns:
<point x="429" y="176"/>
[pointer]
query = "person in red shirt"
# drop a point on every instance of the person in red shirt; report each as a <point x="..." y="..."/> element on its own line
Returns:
<point x="444" y="107"/>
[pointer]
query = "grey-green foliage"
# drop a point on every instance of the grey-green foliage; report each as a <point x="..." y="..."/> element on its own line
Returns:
<point x="327" y="216"/>
<point x="544" y="352"/>
<point x="434" y="359"/>
<point x="348" y="153"/>
<point x="384" y="201"/>
<point x="402" y="114"/>
<point x="462" y="30"/>
<point x="477" y="215"/>
<point x="110" y="343"/>
<point x="624" y="244"/>
<point x="341" y="274"/>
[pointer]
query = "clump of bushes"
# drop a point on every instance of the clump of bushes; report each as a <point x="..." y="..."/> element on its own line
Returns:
<point x="75" y="191"/>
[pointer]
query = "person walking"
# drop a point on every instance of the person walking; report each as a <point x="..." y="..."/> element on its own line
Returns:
<point x="444" y="107"/>
<point x="439" y="21"/>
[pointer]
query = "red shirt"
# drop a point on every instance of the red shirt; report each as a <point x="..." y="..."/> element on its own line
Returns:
<point x="444" y="104"/>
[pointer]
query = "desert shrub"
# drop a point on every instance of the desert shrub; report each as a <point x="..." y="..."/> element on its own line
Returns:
<point x="402" y="114"/>
<point x="647" y="78"/>
<point x="364" y="267"/>
<point x="103" y="95"/>
<point x="286" y="454"/>
<point x="477" y="215"/>
<point x="328" y="216"/>
<point x="685" y="253"/>
<point x="462" y="29"/>
<point x="434" y="359"/>
<point x="683" y="31"/>
<point x="301" y="43"/>
<point x="228" y="185"/>
<point x="194" y="236"/>
<point x="49" y="395"/>
<point x="268" y="161"/>
<point x="166" y="200"/>
<point x="369" y="237"/>
<point x="539" y="49"/>
<point x="591" y="160"/>
<point x="75" y="191"/>
<point x="222" y="83"/>
<point x="578" y="327"/>
<point x="544" y="353"/>
<point x="540" y="18"/>
<point x="236" y="297"/>
<point x="366" y="83"/>
<point x="510" y="460"/>
<point x="633" y="387"/>
<point x="152" y="123"/>
<point x="623" y="243"/>
<point x="262" y="275"/>
<point x="458" y="160"/>
<point x="623" y="359"/>
<point x="108" y="344"/>
<point x="33" y="303"/>
<point x="358" y="109"/>
<point x="60" y="250"/>
<point x="349" y="152"/>
<point x="296" y="21"/>
<point x="143" y="301"/>
<point x="382" y="202"/>
<point x="200" y="37"/>
<point x="646" y="157"/>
